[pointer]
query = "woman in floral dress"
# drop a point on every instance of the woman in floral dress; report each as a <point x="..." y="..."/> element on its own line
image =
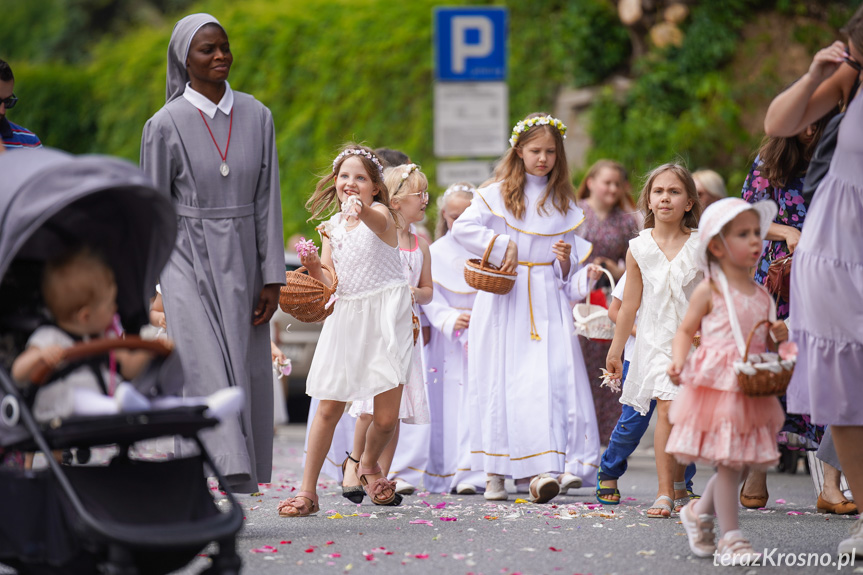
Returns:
<point x="778" y="174"/>
<point x="609" y="225"/>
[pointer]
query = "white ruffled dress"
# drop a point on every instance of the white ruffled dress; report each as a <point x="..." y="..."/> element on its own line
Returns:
<point x="414" y="407"/>
<point x="668" y="285"/>
<point x="366" y="345"/>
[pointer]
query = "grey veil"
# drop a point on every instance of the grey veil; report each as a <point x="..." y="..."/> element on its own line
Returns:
<point x="178" y="50"/>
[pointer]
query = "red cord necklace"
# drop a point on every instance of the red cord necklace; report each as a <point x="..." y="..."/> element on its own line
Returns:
<point x="223" y="168"/>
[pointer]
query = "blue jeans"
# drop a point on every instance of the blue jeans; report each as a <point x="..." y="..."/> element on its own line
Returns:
<point x="625" y="438"/>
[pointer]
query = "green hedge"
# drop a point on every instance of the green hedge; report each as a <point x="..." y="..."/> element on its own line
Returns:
<point x="330" y="71"/>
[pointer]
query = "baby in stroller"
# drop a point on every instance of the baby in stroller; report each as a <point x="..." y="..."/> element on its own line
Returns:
<point x="80" y="292"/>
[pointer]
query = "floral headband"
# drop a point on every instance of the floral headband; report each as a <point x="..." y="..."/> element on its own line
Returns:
<point x="408" y="169"/>
<point x="358" y="152"/>
<point x="525" y="125"/>
<point x="459" y="188"/>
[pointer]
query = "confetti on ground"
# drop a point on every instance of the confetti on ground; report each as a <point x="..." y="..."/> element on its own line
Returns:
<point x="449" y="519"/>
<point x="647" y="553"/>
<point x="780" y="501"/>
<point x="555" y="549"/>
<point x="421" y="522"/>
<point x="520" y="501"/>
<point x="795" y="513"/>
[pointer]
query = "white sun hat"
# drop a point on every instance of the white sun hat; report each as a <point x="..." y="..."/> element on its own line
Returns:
<point x="720" y="212"/>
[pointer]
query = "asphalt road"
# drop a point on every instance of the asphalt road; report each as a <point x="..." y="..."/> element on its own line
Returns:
<point x="465" y="534"/>
<point x="443" y="533"/>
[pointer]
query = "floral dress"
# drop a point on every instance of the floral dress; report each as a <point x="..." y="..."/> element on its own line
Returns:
<point x="610" y="238"/>
<point x="792" y="212"/>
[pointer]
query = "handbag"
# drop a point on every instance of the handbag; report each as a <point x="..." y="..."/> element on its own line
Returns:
<point x="820" y="162"/>
<point x="779" y="278"/>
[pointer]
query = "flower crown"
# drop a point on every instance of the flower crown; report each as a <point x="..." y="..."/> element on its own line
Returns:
<point x="358" y="152"/>
<point x="459" y="188"/>
<point x="408" y="169"/>
<point x="525" y="125"/>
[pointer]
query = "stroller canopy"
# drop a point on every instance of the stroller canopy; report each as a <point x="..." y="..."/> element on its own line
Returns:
<point x="51" y="201"/>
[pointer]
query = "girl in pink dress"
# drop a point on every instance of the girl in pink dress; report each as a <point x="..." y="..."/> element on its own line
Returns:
<point x="714" y="422"/>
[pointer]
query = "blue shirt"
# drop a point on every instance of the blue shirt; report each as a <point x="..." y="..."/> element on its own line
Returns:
<point x="15" y="136"/>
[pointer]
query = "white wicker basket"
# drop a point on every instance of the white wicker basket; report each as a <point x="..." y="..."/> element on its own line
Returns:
<point x="591" y="321"/>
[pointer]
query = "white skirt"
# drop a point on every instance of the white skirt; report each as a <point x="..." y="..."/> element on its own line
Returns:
<point x="365" y="347"/>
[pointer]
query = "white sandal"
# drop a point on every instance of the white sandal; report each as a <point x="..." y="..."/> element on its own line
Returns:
<point x="659" y="504"/>
<point x="544" y="488"/>
<point x="495" y="489"/>
<point x="568" y="481"/>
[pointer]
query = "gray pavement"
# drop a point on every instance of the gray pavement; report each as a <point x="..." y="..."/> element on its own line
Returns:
<point x="465" y="534"/>
<point x="443" y="533"/>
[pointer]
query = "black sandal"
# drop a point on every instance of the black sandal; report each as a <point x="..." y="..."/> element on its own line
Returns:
<point x="353" y="493"/>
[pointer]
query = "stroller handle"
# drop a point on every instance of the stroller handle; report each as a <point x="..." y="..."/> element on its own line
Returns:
<point x="83" y="350"/>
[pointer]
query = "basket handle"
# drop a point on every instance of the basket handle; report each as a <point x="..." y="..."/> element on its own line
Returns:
<point x="751" y="334"/>
<point x="333" y="275"/>
<point x="610" y="277"/>
<point x="487" y="253"/>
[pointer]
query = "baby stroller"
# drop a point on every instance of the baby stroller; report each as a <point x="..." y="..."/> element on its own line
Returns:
<point x="129" y="516"/>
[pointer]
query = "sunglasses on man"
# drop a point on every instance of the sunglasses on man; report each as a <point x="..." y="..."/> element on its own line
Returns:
<point x="10" y="101"/>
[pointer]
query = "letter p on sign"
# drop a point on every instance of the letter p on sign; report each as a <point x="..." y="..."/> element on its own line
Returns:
<point x="461" y="49"/>
<point x="471" y="44"/>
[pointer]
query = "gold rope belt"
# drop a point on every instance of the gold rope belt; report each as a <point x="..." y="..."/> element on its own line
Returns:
<point x="534" y="335"/>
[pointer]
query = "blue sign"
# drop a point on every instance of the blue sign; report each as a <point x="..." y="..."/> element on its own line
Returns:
<point x="471" y="44"/>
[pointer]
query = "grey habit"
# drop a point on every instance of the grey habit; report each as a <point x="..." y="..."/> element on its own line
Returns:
<point x="229" y="245"/>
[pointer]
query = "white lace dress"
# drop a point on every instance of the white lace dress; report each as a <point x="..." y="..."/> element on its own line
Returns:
<point x="668" y="286"/>
<point x="414" y="407"/>
<point x="366" y="345"/>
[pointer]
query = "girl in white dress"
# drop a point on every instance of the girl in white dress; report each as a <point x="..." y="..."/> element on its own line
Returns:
<point x="454" y="409"/>
<point x="409" y="199"/>
<point x="523" y="359"/>
<point x="662" y="273"/>
<point x="365" y="348"/>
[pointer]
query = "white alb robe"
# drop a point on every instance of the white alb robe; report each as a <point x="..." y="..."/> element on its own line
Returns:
<point x="537" y="411"/>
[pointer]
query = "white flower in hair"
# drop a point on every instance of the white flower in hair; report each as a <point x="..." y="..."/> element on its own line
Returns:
<point x="358" y="152"/>
<point x="524" y="125"/>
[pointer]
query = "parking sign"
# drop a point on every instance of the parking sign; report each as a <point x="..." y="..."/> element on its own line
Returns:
<point x="471" y="44"/>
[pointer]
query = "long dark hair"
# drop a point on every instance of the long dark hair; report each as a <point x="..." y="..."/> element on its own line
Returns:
<point x="784" y="158"/>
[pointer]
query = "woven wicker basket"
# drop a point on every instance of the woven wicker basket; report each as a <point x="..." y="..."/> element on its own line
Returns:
<point x="591" y="321"/>
<point x="771" y="377"/>
<point x="305" y="298"/>
<point x="481" y="275"/>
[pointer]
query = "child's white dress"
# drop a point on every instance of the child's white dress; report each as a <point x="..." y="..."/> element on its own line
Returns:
<point x="414" y="406"/>
<point x="366" y="345"/>
<point x="668" y="285"/>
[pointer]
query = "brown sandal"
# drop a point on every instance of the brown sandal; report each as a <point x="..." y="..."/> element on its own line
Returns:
<point x="376" y="488"/>
<point x="296" y="507"/>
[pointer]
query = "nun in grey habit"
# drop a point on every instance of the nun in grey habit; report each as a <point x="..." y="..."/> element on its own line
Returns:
<point x="213" y="151"/>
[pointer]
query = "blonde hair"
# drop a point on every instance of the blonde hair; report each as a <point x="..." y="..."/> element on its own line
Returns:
<point x="457" y="189"/>
<point x="583" y="191"/>
<point x="690" y="218"/>
<point x="510" y="173"/>
<point x="325" y="197"/>
<point x="712" y="182"/>
<point x="416" y="181"/>
<point x="73" y="281"/>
